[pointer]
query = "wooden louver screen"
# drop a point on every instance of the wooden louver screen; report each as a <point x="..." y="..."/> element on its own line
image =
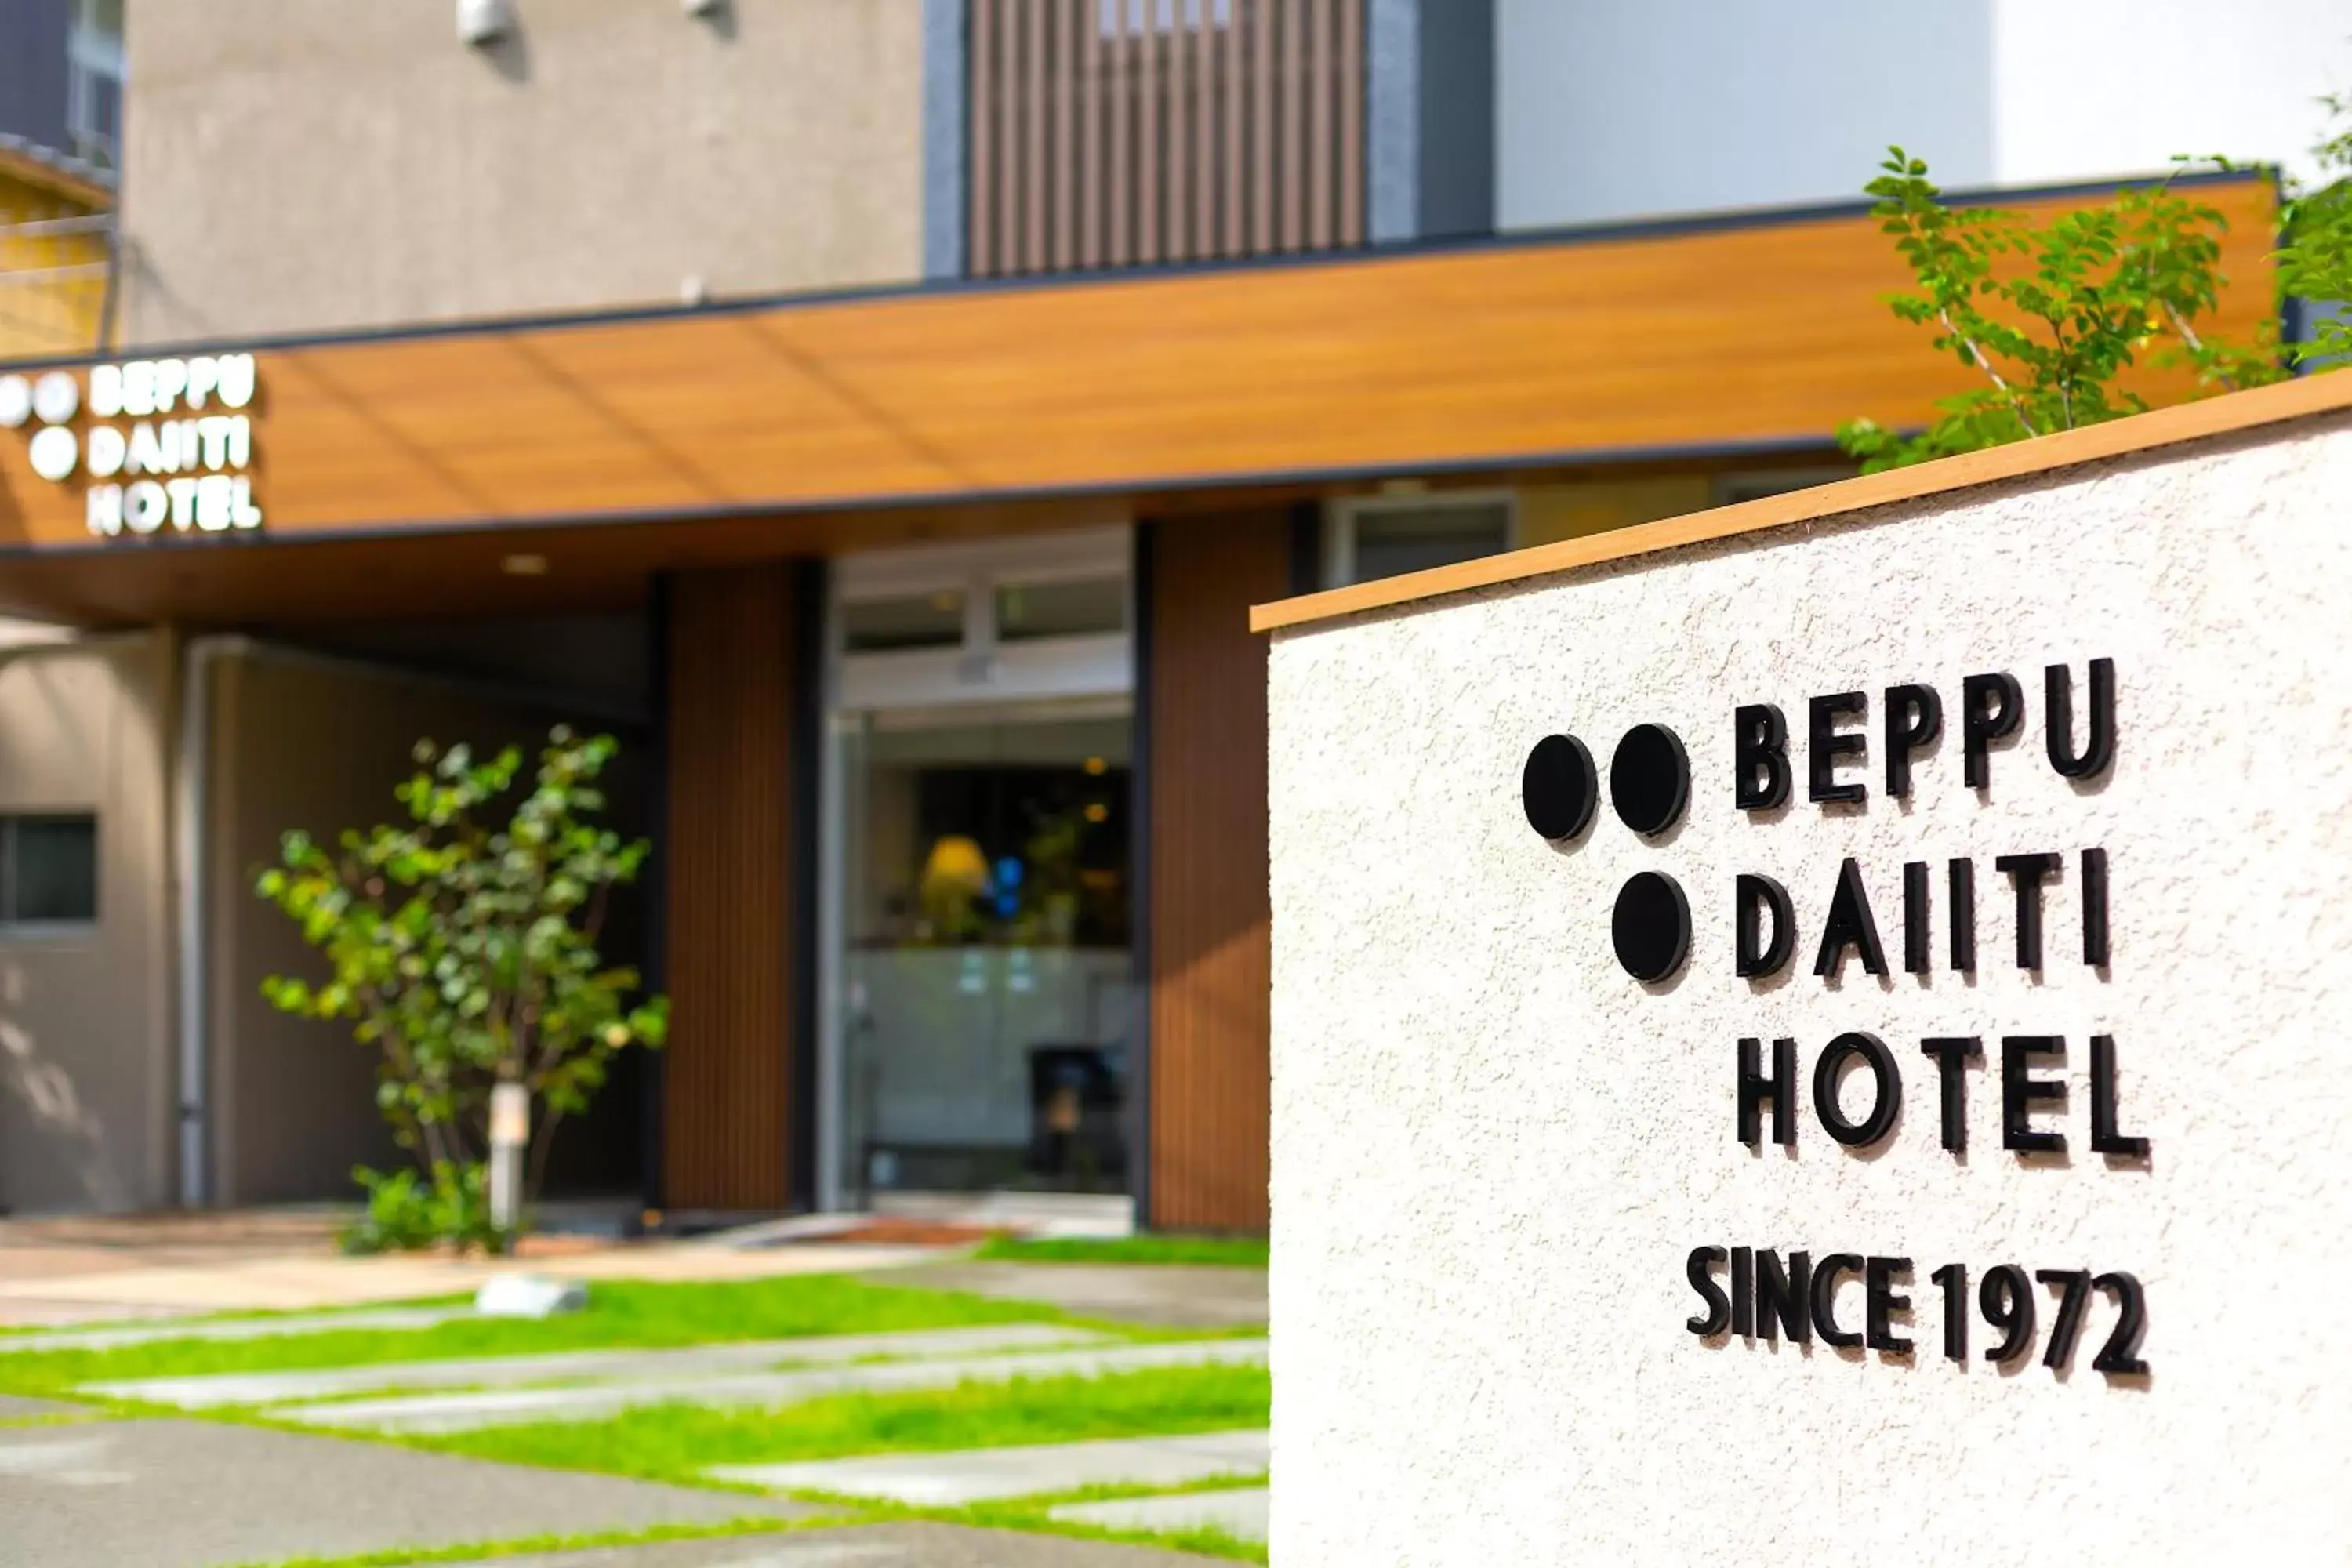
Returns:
<point x="1120" y="132"/>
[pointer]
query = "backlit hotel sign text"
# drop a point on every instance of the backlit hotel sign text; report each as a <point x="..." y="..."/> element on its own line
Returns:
<point x="162" y="445"/>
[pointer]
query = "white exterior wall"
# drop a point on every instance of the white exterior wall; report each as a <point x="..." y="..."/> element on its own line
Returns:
<point x="1493" y="1151"/>
<point x="2092" y="88"/>
<point x="1617" y="109"/>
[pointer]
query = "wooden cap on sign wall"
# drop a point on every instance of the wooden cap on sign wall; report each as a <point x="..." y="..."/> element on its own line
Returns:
<point x="2287" y="400"/>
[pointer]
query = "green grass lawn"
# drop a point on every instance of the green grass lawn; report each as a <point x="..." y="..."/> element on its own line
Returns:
<point x="1237" y="1251"/>
<point x="619" y="1314"/>
<point x="673" y="1442"/>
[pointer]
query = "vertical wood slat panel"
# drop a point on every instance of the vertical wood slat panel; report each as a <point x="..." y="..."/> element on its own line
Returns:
<point x="1146" y="99"/>
<point x="1179" y="186"/>
<point x="982" y="174"/>
<point x="1235" y="85"/>
<point x="1119" y="88"/>
<point x="1261" y="78"/>
<point x="1322" y="141"/>
<point x="727" y="1085"/>
<point x="1091" y="201"/>
<point x="1202" y="41"/>
<point x="1009" y="189"/>
<point x="1211" y="957"/>
<point x="1068" y="131"/>
<point x="1293" y="98"/>
<point x="1150" y="130"/>
<point x="1037" y="108"/>
<point x="1349" y="69"/>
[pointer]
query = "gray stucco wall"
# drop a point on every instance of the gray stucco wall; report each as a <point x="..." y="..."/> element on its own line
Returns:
<point x="295" y="165"/>
<point x="87" y="1111"/>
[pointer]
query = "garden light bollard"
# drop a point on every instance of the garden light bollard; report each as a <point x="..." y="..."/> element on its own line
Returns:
<point x="509" y="1136"/>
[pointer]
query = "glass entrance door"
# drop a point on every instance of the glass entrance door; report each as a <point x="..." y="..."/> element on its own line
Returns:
<point x="985" y="993"/>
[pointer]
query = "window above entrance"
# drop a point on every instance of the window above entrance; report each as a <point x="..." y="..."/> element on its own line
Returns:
<point x="994" y="620"/>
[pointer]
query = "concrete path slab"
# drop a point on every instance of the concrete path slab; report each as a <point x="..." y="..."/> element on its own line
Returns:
<point x="872" y="1546"/>
<point x="232" y="1328"/>
<point x="506" y="1407"/>
<point x="173" y="1493"/>
<point x="306" y="1281"/>
<point x="1240" y="1513"/>
<point x="15" y="1408"/>
<point x="1184" y="1296"/>
<point x="605" y="1366"/>
<point x="982" y="1475"/>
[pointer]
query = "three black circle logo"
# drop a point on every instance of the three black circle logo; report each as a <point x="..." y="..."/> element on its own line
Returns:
<point x="1649" y="788"/>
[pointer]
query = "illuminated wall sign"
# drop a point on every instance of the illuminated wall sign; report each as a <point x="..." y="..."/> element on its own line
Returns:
<point x="160" y="444"/>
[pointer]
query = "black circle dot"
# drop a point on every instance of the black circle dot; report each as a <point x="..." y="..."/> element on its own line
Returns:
<point x="1559" y="787"/>
<point x="1651" y="927"/>
<point x="1649" y="779"/>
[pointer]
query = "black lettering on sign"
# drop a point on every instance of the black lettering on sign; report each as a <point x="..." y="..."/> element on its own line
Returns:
<point x="2058" y="700"/>
<point x="1758" y="896"/>
<point x="1704" y="1261"/>
<point x="1783" y="1296"/>
<point x="1992" y="708"/>
<point x="1760" y="746"/>
<point x="1880" y="1276"/>
<point x="2021" y="1092"/>
<point x="1914" y="918"/>
<point x="2028" y="872"/>
<point x="1827" y="744"/>
<point x="2107" y="1138"/>
<point x="1952" y="1055"/>
<point x="1886" y="1103"/>
<point x="1780" y="1089"/>
<point x="1914" y="717"/>
<point x="1850" y="925"/>
<point x="1825" y="1284"/>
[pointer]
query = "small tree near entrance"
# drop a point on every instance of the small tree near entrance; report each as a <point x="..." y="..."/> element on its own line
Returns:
<point x="2049" y="317"/>
<point x="464" y="950"/>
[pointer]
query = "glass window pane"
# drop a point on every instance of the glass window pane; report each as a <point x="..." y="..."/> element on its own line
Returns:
<point x="905" y="621"/>
<point x="1084" y="608"/>
<point x="1413" y="538"/>
<point x="54" y="862"/>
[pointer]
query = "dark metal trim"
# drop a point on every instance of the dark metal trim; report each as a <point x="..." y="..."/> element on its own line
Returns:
<point x="802" y="960"/>
<point x="1592" y="457"/>
<point x="1305" y="547"/>
<point x="1138" y="787"/>
<point x="656" y="1107"/>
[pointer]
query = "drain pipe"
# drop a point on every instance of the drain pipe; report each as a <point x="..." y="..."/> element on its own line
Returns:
<point x="191" y="804"/>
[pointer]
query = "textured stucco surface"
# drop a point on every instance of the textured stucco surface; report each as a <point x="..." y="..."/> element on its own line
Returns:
<point x="294" y="166"/>
<point x="1493" y="1151"/>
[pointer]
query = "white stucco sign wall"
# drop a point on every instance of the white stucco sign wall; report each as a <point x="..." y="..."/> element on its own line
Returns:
<point x="1537" y="1299"/>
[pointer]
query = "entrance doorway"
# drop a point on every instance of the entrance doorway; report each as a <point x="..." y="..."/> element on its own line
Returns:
<point x="980" y="1000"/>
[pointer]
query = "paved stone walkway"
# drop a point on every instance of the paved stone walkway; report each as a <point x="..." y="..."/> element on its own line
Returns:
<point x="1240" y="1513"/>
<point x="980" y="1475"/>
<point x="875" y="1546"/>
<point x="1181" y="1296"/>
<point x="161" y="1494"/>
<point x="686" y="1364"/>
<point x="503" y="1408"/>
<point x="15" y="1408"/>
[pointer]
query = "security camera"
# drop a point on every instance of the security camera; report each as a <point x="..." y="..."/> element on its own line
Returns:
<point x="703" y="8"/>
<point x="483" y="22"/>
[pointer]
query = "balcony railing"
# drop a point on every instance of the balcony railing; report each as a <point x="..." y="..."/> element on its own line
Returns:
<point x="56" y="285"/>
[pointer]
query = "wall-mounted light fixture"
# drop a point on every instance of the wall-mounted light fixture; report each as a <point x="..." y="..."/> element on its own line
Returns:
<point x="483" y="22"/>
<point x="703" y="8"/>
